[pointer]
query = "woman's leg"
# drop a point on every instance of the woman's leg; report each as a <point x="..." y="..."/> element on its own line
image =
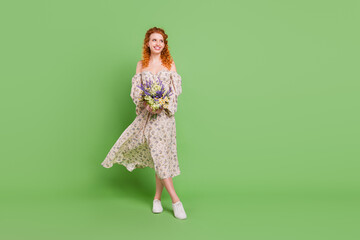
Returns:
<point x="168" y="183"/>
<point x="159" y="188"/>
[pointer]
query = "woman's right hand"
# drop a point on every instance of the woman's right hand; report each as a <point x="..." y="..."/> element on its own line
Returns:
<point x="148" y="108"/>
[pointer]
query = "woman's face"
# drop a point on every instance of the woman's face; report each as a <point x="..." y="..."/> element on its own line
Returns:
<point x="156" y="43"/>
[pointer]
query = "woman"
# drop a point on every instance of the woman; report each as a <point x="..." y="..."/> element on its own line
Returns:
<point x="151" y="142"/>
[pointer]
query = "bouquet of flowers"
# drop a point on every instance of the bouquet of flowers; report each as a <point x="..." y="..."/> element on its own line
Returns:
<point x="154" y="94"/>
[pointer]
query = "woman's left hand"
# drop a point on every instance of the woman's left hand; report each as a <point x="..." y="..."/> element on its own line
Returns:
<point x="159" y="110"/>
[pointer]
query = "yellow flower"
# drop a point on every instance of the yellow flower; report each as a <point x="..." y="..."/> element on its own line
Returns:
<point x="161" y="101"/>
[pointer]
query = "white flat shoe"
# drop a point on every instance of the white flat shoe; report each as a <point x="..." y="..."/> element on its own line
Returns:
<point x="157" y="208"/>
<point x="179" y="211"/>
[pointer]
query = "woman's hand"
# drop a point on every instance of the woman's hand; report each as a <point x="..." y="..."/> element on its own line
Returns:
<point x="158" y="111"/>
<point x="147" y="106"/>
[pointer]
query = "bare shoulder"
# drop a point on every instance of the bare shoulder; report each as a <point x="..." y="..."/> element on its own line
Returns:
<point x="173" y="67"/>
<point x="139" y="67"/>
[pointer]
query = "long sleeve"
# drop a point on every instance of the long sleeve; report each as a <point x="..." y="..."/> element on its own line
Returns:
<point x="177" y="89"/>
<point x="136" y="93"/>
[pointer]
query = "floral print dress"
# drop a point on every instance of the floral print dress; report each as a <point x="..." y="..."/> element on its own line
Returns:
<point x="149" y="142"/>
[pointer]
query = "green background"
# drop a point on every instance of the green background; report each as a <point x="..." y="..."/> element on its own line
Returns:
<point x="267" y="124"/>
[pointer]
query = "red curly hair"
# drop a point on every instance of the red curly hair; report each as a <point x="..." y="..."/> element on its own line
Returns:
<point x="165" y="56"/>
